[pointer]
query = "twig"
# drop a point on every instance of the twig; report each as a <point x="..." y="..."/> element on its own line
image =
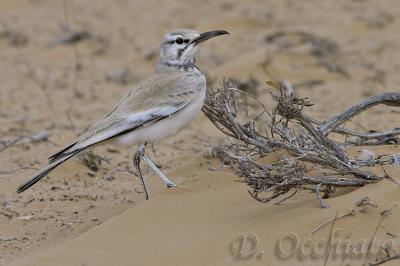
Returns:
<point x="17" y="169"/>
<point x="329" y="244"/>
<point x="369" y="135"/>
<point x="391" y="99"/>
<point x="288" y="197"/>
<point x="388" y="176"/>
<point x="364" y="136"/>
<point x="352" y="212"/>
<point x="322" y="203"/>
<point x="37" y="137"/>
<point x="384" y="215"/>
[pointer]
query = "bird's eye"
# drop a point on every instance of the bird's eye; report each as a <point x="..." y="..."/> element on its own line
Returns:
<point x="179" y="41"/>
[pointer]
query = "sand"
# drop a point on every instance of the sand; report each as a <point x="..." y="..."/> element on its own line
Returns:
<point x="79" y="216"/>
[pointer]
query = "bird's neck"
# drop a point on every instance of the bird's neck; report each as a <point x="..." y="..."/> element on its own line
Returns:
<point x="166" y="66"/>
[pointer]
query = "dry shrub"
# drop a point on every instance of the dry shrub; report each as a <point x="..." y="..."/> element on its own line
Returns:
<point x="311" y="159"/>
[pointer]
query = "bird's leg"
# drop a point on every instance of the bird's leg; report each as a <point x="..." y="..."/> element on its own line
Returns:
<point x="136" y="161"/>
<point x="163" y="177"/>
<point x="139" y="155"/>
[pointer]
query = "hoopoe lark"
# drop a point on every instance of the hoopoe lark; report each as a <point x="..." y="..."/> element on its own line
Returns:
<point x="156" y="108"/>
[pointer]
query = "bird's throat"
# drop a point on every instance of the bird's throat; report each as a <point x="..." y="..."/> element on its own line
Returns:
<point x="166" y="66"/>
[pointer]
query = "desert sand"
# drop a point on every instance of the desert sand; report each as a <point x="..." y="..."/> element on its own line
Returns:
<point x="50" y="91"/>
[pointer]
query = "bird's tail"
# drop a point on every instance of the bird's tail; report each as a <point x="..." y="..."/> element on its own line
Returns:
<point x="44" y="172"/>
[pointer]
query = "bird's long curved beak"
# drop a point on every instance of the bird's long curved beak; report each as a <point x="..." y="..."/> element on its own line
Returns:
<point x="209" y="34"/>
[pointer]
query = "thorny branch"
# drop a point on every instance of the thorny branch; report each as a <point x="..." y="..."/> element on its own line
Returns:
<point x="310" y="159"/>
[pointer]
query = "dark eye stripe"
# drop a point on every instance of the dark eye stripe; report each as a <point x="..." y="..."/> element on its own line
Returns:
<point x="175" y="41"/>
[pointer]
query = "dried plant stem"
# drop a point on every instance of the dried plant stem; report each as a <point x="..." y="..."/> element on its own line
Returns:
<point x="304" y="140"/>
<point x="384" y="215"/>
<point x="328" y="246"/>
<point x="37" y="137"/>
<point x="350" y="213"/>
<point x="320" y="200"/>
<point x="364" y="136"/>
<point x="391" y="99"/>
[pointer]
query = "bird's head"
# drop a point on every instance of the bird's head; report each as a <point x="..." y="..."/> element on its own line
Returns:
<point x="180" y="47"/>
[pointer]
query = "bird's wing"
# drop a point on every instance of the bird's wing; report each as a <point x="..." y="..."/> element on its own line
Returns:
<point x="156" y="98"/>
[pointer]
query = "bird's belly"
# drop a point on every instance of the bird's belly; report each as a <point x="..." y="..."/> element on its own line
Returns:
<point x="165" y="127"/>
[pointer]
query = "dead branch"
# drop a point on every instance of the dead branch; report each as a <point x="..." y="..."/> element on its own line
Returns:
<point x="391" y="99"/>
<point x="364" y="138"/>
<point x="303" y="139"/>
